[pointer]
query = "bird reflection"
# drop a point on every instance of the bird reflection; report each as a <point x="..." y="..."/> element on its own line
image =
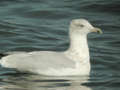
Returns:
<point x="38" y="82"/>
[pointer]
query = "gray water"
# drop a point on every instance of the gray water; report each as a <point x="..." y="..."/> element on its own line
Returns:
<point x="34" y="25"/>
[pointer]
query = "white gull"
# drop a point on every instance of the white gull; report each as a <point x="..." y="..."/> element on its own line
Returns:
<point x="72" y="62"/>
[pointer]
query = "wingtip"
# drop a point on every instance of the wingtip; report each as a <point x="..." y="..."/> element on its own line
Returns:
<point x="2" y="55"/>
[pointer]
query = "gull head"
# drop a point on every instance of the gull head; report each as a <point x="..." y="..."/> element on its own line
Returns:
<point x="82" y="26"/>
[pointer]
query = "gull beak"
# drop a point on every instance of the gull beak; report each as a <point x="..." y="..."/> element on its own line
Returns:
<point x="97" y="30"/>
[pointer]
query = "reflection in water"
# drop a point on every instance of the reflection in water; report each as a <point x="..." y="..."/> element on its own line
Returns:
<point x="37" y="82"/>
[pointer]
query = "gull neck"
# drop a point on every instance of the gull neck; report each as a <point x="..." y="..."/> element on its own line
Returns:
<point x="79" y="45"/>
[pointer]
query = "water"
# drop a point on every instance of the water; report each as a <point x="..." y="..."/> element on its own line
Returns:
<point x="30" y="25"/>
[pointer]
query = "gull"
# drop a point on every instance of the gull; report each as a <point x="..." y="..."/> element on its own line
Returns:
<point x="74" y="61"/>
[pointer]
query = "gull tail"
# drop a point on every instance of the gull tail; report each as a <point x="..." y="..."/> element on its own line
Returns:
<point x="2" y="55"/>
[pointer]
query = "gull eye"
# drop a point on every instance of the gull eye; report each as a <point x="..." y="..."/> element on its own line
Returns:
<point x="81" y="25"/>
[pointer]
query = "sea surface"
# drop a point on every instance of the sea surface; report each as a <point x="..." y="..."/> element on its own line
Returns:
<point x="38" y="25"/>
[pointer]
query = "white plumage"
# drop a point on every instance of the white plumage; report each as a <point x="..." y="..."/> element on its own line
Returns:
<point x="74" y="61"/>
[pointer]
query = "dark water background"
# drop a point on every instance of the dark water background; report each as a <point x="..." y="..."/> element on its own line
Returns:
<point x="29" y="25"/>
